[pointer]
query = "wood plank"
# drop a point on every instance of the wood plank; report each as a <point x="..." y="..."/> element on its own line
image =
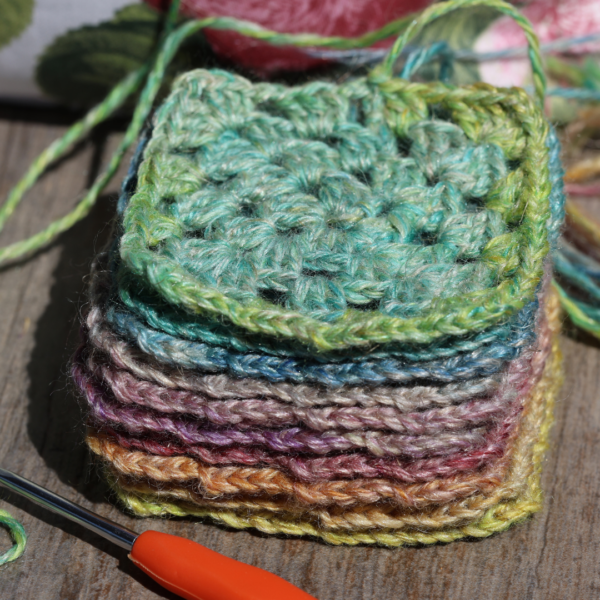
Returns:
<point x="554" y="556"/>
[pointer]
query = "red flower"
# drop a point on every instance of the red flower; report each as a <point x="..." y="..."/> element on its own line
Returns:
<point x="346" y="18"/>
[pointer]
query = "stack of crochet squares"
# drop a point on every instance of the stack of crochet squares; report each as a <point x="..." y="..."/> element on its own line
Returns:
<point x="327" y="310"/>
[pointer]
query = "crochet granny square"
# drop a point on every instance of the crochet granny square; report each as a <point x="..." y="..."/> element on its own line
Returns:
<point x="342" y="216"/>
<point x="327" y="309"/>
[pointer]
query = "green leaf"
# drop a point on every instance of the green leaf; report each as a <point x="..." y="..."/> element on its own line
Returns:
<point x="82" y="66"/>
<point x="15" y="16"/>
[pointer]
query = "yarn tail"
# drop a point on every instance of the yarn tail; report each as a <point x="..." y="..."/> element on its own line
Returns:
<point x="18" y="535"/>
<point x="577" y="264"/>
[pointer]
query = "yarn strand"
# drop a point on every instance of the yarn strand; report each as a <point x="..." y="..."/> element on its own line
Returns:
<point x="18" y="535"/>
<point x="439" y="10"/>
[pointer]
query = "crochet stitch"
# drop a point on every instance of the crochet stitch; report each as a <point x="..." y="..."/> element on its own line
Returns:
<point x="326" y="309"/>
<point x="494" y="513"/>
<point x="384" y="516"/>
<point x="484" y="361"/>
<point x="214" y="483"/>
<point x="516" y="382"/>
<point x="330" y="468"/>
<point x="251" y="413"/>
<point x="214" y="333"/>
<point x="272" y="483"/>
<point x="519" y="378"/>
<point x="128" y="389"/>
<point x="214" y="116"/>
<point x="124" y="356"/>
<point x="159" y="315"/>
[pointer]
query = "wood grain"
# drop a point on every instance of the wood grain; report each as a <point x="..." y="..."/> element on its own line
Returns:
<point x="554" y="556"/>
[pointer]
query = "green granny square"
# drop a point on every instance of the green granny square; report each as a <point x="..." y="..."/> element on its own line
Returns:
<point x="373" y="211"/>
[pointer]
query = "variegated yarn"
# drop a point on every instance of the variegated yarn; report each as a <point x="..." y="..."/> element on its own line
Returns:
<point x="17" y="534"/>
<point x="327" y="309"/>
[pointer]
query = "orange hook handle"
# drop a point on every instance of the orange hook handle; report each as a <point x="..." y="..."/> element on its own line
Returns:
<point x="197" y="573"/>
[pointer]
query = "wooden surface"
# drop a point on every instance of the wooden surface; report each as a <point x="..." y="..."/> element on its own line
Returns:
<point x="555" y="556"/>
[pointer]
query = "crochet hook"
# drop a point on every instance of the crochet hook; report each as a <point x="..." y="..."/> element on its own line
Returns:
<point x="178" y="564"/>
